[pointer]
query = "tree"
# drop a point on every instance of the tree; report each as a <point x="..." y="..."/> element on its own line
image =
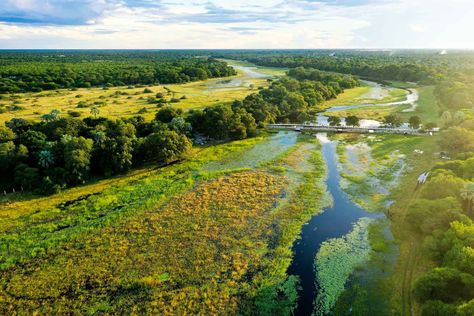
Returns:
<point x="95" y="111"/>
<point x="446" y="119"/>
<point x="352" y="120"/>
<point x="414" y="122"/>
<point x="456" y="140"/>
<point x="26" y="176"/>
<point x="334" y="121"/>
<point x="430" y="125"/>
<point x="445" y="284"/>
<point x="427" y="216"/>
<point x="180" y="125"/>
<point x="442" y="185"/>
<point x="393" y="120"/>
<point x="77" y="154"/>
<point x="467" y="194"/>
<point x="167" y="114"/>
<point x="33" y="140"/>
<point x="45" y="158"/>
<point x="459" y="117"/>
<point x="438" y="308"/>
<point x="6" y="134"/>
<point x="165" y="147"/>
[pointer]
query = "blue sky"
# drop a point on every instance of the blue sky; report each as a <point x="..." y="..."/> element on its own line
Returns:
<point x="236" y="24"/>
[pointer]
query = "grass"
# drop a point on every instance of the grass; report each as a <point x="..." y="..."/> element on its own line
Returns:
<point x="174" y="240"/>
<point x="348" y="97"/>
<point x="427" y="109"/>
<point x="189" y="256"/>
<point x="119" y="102"/>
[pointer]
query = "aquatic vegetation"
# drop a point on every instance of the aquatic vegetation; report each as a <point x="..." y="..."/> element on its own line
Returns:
<point x="368" y="177"/>
<point x="193" y="255"/>
<point x="267" y="151"/>
<point x="336" y="260"/>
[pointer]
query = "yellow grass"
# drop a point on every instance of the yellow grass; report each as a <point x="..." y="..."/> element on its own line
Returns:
<point x="198" y="94"/>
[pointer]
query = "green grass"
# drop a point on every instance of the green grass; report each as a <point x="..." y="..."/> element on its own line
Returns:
<point x="348" y="97"/>
<point x="427" y="109"/>
<point x="119" y="102"/>
<point x="141" y="242"/>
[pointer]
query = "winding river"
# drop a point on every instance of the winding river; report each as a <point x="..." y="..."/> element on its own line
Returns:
<point x="335" y="221"/>
<point x="338" y="219"/>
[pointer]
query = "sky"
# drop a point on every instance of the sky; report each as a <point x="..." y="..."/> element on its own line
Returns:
<point x="229" y="24"/>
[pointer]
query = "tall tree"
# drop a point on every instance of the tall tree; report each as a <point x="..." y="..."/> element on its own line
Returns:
<point x="467" y="194"/>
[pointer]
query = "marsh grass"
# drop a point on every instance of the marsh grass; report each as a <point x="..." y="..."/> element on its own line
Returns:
<point x="336" y="260"/>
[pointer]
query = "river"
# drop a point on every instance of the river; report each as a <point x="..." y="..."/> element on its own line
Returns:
<point x="335" y="221"/>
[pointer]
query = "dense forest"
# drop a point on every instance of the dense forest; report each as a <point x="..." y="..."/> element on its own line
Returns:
<point x="49" y="70"/>
<point x="58" y="152"/>
<point x="424" y="66"/>
<point x="443" y="217"/>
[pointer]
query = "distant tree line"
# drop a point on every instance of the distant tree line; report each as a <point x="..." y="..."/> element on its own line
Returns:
<point x="416" y="66"/>
<point x="32" y="73"/>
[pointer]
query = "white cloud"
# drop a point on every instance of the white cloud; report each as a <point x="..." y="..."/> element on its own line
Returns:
<point x="244" y="24"/>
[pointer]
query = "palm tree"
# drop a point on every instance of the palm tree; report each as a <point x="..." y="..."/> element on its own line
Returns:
<point x="95" y="111"/>
<point x="54" y="114"/>
<point x="467" y="193"/>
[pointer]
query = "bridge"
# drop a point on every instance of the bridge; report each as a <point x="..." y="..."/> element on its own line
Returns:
<point x="350" y="129"/>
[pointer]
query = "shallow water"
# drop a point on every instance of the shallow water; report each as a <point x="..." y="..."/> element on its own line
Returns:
<point x="335" y="221"/>
<point x="249" y="73"/>
<point x="264" y="151"/>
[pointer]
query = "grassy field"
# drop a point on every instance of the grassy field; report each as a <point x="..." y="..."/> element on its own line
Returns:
<point x="357" y="96"/>
<point x="167" y="241"/>
<point x="118" y="102"/>
<point x="427" y="108"/>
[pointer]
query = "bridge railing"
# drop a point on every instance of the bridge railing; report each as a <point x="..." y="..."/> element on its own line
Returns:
<point x="321" y="127"/>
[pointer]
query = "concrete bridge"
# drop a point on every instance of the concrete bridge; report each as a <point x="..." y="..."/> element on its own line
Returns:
<point x="350" y="129"/>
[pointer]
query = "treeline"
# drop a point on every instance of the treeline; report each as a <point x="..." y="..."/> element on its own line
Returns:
<point x="285" y="100"/>
<point x="417" y="66"/>
<point x="372" y="68"/>
<point x="51" y="155"/>
<point x="444" y="216"/>
<point x="39" y="71"/>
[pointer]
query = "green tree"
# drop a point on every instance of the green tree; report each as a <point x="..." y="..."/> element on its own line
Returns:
<point x="352" y="120"/>
<point x="167" y="114"/>
<point x="165" y="146"/>
<point x="26" y="177"/>
<point x="459" y="117"/>
<point x="6" y="134"/>
<point x="467" y="194"/>
<point x="445" y="284"/>
<point x="456" y="140"/>
<point x="393" y="120"/>
<point x="414" y="122"/>
<point x="95" y="111"/>
<point x="446" y="119"/>
<point x="334" y="121"/>
<point x="77" y="154"/>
